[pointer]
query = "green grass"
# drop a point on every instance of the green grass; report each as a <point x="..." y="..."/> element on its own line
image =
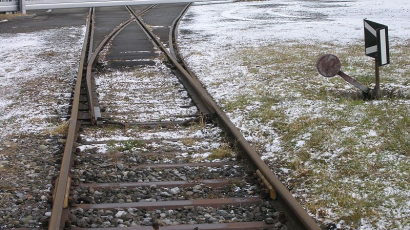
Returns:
<point x="114" y="146"/>
<point x="239" y="102"/>
<point x="345" y="150"/>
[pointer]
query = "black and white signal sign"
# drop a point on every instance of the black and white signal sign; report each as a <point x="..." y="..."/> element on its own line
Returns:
<point x="376" y="41"/>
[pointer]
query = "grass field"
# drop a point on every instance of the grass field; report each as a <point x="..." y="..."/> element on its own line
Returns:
<point x="346" y="159"/>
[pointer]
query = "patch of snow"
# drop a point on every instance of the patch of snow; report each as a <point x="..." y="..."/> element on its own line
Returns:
<point x="211" y="31"/>
<point x="372" y="133"/>
<point x="300" y="144"/>
<point x="307" y="21"/>
<point x="28" y="61"/>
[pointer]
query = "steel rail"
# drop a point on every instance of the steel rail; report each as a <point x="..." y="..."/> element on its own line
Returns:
<point x="283" y="193"/>
<point x="223" y="120"/>
<point x="63" y="178"/>
<point x="63" y="181"/>
<point x="91" y="64"/>
<point x="173" y="33"/>
<point x="203" y="102"/>
<point x="93" y="61"/>
<point x="92" y="32"/>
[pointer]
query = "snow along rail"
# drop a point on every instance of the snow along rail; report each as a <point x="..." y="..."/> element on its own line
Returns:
<point x="218" y="192"/>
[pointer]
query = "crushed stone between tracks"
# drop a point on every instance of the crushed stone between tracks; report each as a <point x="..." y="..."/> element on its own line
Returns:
<point x="37" y="73"/>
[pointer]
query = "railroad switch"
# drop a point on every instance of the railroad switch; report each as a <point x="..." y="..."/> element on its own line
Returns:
<point x="329" y="65"/>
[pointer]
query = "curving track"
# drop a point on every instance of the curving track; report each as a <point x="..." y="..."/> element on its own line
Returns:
<point x="147" y="148"/>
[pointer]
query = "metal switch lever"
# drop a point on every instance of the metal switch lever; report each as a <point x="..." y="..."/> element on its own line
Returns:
<point x="329" y="65"/>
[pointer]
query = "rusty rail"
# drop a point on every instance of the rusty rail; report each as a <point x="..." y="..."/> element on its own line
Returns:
<point x="94" y="113"/>
<point x="206" y="101"/>
<point x="87" y="63"/>
<point x="283" y="193"/>
<point x="94" y="110"/>
<point x="191" y="84"/>
<point x="173" y="33"/>
<point x="62" y="183"/>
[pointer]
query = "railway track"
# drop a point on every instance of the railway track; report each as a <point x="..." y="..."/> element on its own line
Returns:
<point x="148" y="148"/>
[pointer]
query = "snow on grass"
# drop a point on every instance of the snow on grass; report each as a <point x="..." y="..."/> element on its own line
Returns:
<point x="346" y="160"/>
<point x="37" y="72"/>
<point x="36" y="69"/>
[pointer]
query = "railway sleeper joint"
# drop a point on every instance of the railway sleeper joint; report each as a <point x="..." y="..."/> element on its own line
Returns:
<point x="67" y="194"/>
<point x="265" y="183"/>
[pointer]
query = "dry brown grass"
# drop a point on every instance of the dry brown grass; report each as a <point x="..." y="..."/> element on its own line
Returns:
<point x="61" y="129"/>
<point x="13" y="16"/>
<point x="221" y="153"/>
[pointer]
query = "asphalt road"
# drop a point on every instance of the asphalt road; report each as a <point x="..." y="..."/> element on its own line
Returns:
<point x="129" y="48"/>
<point x="42" y="20"/>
